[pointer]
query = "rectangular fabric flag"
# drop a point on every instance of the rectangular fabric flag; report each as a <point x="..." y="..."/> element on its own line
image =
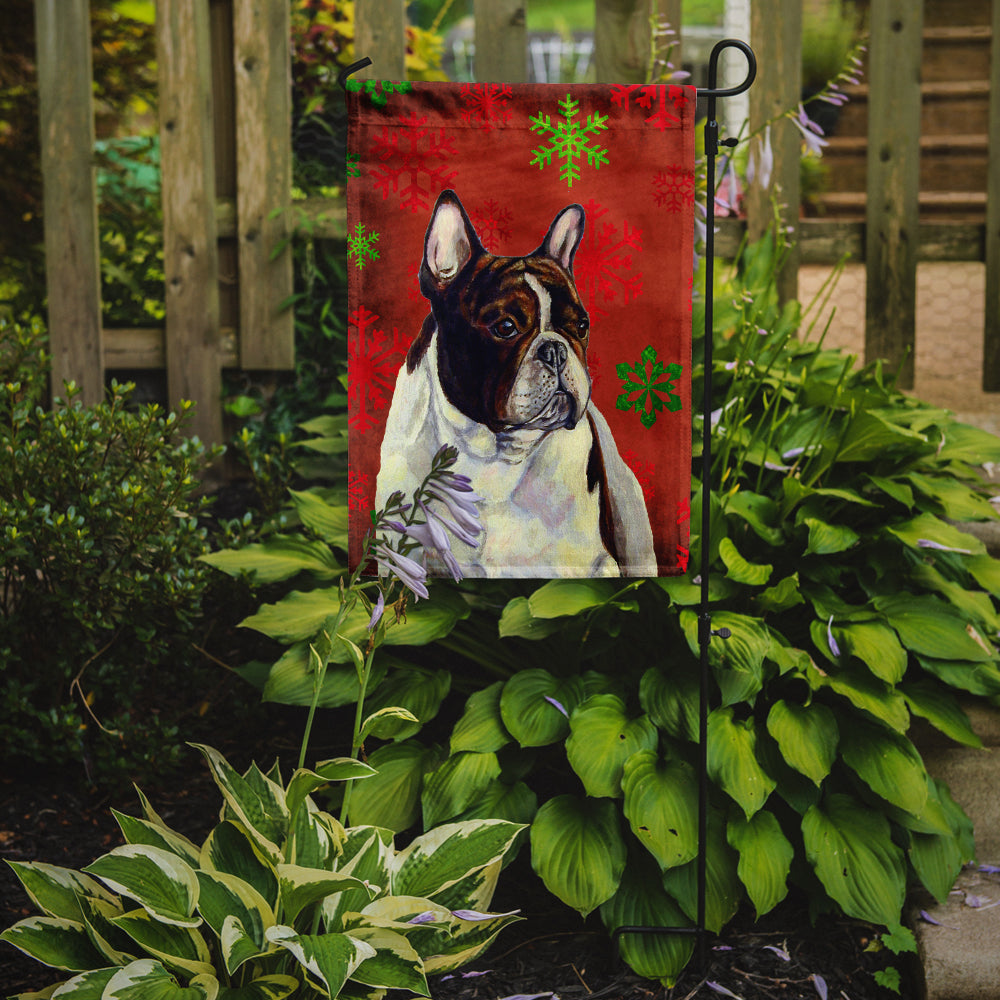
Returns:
<point x="520" y="273"/>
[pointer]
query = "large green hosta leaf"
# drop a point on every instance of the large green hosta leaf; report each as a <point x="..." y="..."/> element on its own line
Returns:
<point x="535" y="706"/>
<point x="924" y="528"/>
<point x="932" y="628"/>
<point x="976" y="678"/>
<point x="661" y="806"/>
<point x="578" y="851"/>
<point x="391" y="798"/>
<point x="723" y="889"/>
<point x="670" y="698"/>
<point x="481" y="727"/>
<point x="888" y="763"/>
<point x="807" y="736"/>
<point x="732" y="760"/>
<point x="279" y="558"/>
<point x="876" y="646"/>
<point x="738" y="661"/>
<point x="850" y="848"/>
<point x="739" y="569"/>
<point x="765" y="858"/>
<point x="456" y="784"/>
<point x="602" y="738"/>
<point x="642" y="902"/>
<point x="559" y="598"/>
<point x="941" y="709"/>
<point x="418" y="690"/>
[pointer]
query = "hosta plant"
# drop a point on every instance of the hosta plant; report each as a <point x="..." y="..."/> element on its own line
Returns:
<point x="279" y="900"/>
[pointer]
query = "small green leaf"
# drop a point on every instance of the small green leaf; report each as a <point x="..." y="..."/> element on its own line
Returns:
<point x="765" y="858"/>
<point x="279" y="558"/>
<point x="561" y="598"/>
<point x="807" y="736"/>
<point x="828" y="539"/>
<point x="738" y="569"/>
<point x="732" y="760"/>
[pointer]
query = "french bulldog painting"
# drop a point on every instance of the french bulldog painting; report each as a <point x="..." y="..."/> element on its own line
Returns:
<point x="499" y="370"/>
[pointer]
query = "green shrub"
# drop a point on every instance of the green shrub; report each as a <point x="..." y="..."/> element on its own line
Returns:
<point x="279" y="900"/>
<point x="99" y="541"/>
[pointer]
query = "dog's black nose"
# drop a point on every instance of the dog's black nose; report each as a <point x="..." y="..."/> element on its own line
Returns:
<point x="552" y="354"/>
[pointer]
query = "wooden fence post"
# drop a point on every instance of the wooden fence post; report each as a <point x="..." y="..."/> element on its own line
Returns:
<point x="892" y="215"/>
<point x="262" y="61"/>
<point x="190" y="252"/>
<point x="991" y="333"/>
<point x="776" y="35"/>
<point x="380" y="34"/>
<point x="501" y="41"/>
<point x="72" y="255"/>
<point x="621" y="40"/>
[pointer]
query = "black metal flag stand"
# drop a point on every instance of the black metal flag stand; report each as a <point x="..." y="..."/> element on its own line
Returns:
<point x="705" y="631"/>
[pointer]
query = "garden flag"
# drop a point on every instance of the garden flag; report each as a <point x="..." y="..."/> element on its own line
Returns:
<point x="520" y="275"/>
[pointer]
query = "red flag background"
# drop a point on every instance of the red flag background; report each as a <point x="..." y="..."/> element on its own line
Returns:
<point x="516" y="156"/>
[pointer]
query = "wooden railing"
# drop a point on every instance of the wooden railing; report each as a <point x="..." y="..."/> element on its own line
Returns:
<point x="226" y="160"/>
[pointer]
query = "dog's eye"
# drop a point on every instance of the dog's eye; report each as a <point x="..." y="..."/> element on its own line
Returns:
<point x="504" y="328"/>
<point x="582" y="327"/>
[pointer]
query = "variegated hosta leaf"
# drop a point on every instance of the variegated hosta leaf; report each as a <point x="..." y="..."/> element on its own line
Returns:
<point x="476" y="890"/>
<point x="116" y="946"/>
<point x="807" y="736"/>
<point x="441" y="857"/>
<point x="86" y="986"/>
<point x="765" y="858"/>
<point x="481" y="727"/>
<point x="225" y="897"/>
<point x="301" y="887"/>
<point x="255" y="800"/>
<point x="395" y="964"/>
<point x="147" y="979"/>
<point x="274" y="987"/>
<point x="602" y="737"/>
<point x="177" y="947"/>
<point x="54" y="941"/>
<point x="535" y="706"/>
<point x="732" y="760"/>
<point x="642" y="902"/>
<point x="56" y="891"/>
<point x="466" y="941"/>
<point x="367" y="854"/>
<point x="723" y="889"/>
<point x="230" y="849"/>
<point x="456" y="784"/>
<point x="141" y="831"/>
<point x="158" y="880"/>
<point x="515" y="803"/>
<point x="888" y="763"/>
<point x="315" y="838"/>
<point x="578" y="851"/>
<point x="850" y="847"/>
<point x="329" y="959"/>
<point x="304" y="782"/>
<point x="661" y="799"/>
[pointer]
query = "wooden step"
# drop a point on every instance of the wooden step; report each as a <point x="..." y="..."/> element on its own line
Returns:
<point x="947" y="162"/>
<point x="956" y="53"/>
<point x="957" y="206"/>
<point x="947" y="106"/>
<point x="940" y="13"/>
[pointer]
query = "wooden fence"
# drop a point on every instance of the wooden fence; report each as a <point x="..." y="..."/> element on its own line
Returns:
<point x="226" y="161"/>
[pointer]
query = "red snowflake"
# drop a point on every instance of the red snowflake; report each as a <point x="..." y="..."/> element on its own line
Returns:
<point x="683" y="555"/>
<point x="373" y="361"/>
<point x="412" y="162"/>
<point x="603" y="262"/>
<point x="683" y="510"/>
<point x="648" y="95"/>
<point x="645" y="472"/>
<point x="673" y="188"/>
<point x="486" y="103"/>
<point x="492" y="222"/>
<point x="357" y="490"/>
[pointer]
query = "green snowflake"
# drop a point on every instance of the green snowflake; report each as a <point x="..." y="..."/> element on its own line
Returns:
<point x="651" y="391"/>
<point x="361" y="245"/>
<point x="378" y="91"/>
<point x="353" y="165"/>
<point x="569" y="140"/>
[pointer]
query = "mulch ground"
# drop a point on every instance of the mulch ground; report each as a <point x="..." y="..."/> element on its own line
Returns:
<point x="551" y="952"/>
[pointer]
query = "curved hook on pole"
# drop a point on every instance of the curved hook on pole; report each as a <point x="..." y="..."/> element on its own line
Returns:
<point x="713" y="90"/>
<point x="350" y="70"/>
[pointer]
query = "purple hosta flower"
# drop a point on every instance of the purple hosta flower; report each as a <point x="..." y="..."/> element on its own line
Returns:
<point x="557" y="704"/>
<point x="927" y="543"/>
<point x="465" y="975"/>
<point x="761" y="163"/>
<point x="433" y="539"/>
<point x="461" y="502"/>
<point x="811" y="132"/>
<point x="834" y="648"/>
<point x="377" y="611"/>
<point x="727" y="198"/>
<point x="719" y="988"/>
<point x="408" y="570"/>
<point x="820" y="983"/>
<point x="475" y="915"/>
<point x="990" y="869"/>
<point x="780" y="952"/>
<point x="427" y="917"/>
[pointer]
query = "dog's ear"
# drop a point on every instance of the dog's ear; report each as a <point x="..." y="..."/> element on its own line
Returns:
<point x="564" y="235"/>
<point x="449" y="245"/>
